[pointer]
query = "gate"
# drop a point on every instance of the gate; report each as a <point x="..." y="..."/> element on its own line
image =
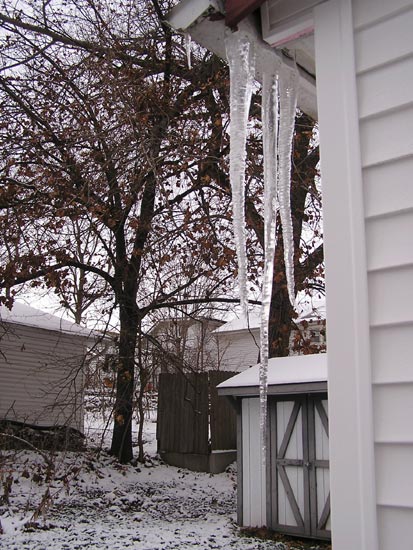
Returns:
<point x="195" y="428"/>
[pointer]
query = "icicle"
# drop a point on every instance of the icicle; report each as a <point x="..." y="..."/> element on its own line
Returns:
<point x="241" y="59"/>
<point x="188" y="49"/>
<point x="270" y="142"/>
<point x="288" y="105"/>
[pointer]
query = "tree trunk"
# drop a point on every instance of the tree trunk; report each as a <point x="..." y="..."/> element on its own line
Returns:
<point x="122" y="428"/>
<point x="140" y="405"/>
<point x="281" y="311"/>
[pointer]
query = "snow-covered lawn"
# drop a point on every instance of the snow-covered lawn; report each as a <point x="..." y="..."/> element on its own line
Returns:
<point x="89" y="501"/>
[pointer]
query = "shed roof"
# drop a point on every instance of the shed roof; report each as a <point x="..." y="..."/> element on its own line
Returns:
<point x="282" y="371"/>
<point x="22" y="314"/>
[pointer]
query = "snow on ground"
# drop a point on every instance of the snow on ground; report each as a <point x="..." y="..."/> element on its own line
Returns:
<point x="90" y="501"/>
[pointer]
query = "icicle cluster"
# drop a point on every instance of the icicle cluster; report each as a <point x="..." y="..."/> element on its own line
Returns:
<point x="279" y="102"/>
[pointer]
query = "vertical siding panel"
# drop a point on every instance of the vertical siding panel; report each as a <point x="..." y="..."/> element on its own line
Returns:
<point x="246" y="463"/>
<point x="351" y="421"/>
<point x="254" y="509"/>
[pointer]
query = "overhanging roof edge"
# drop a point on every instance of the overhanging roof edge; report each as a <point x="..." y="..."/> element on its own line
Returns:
<point x="204" y="21"/>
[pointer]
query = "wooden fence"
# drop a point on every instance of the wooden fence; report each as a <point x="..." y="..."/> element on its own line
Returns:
<point x="194" y="423"/>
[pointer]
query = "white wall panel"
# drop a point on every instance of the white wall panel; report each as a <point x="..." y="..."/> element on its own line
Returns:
<point x="388" y="187"/>
<point x="389" y="240"/>
<point x="377" y="92"/>
<point x="393" y="413"/>
<point x="387" y="137"/>
<point x="392" y="353"/>
<point x="365" y="12"/>
<point x="254" y="497"/>
<point x="40" y="376"/>
<point x="385" y="42"/>
<point x="395" y="527"/>
<point x="384" y="63"/>
<point x="238" y="351"/>
<point x="394" y="478"/>
<point x="391" y="296"/>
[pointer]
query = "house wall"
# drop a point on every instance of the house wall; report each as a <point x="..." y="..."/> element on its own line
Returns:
<point x="41" y="376"/>
<point x="383" y="42"/>
<point x="193" y="340"/>
<point x="364" y="61"/>
<point x="238" y="350"/>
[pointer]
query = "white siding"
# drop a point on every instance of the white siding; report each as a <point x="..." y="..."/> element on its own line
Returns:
<point x="238" y="350"/>
<point x="384" y="61"/>
<point x="392" y="353"/>
<point x="395" y="524"/>
<point x="253" y="476"/>
<point x="390" y="240"/>
<point x="380" y="196"/>
<point x="385" y="42"/>
<point x="41" y="376"/>
<point x="368" y="12"/>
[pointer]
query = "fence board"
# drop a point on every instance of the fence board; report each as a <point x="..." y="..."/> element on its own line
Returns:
<point x="223" y="418"/>
<point x="182" y="425"/>
<point x="186" y="405"/>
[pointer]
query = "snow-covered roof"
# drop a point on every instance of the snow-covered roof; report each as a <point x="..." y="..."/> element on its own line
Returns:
<point x="253" y="322"/>
<point x="241" y="323"/>
<point x="295" y="369"/>
<point x="22" y="314"/>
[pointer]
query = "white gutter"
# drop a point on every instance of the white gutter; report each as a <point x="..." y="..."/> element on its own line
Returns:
<point x="204" y="21"/>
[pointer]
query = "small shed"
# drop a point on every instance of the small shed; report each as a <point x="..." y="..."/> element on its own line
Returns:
<point x="293" y="495"/>
<point x="41" y="368"/>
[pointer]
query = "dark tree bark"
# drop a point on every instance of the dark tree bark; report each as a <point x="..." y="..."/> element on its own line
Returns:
<point x="304" y="163"/>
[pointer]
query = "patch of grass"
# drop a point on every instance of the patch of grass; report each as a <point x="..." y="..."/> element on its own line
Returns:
<point x="290" y="543"/>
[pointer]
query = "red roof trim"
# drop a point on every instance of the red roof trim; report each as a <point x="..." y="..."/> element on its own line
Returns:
<point x="237" y="10"/>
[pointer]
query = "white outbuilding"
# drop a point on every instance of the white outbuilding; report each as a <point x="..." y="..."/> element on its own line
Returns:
<point x="292" y="495"/>
<point x="41" y="367"/>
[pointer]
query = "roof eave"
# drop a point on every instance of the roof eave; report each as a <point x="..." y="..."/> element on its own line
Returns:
<point x="204" y="20"/>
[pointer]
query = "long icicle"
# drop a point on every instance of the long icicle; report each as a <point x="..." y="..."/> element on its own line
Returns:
<point x="241" y="59"/>
<point x="188" y="49"/>
<point x="270" y="121"/>
<point x="288" y="105"/>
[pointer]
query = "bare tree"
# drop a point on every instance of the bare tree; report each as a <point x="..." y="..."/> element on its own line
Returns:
<point x="102" y="133"/>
